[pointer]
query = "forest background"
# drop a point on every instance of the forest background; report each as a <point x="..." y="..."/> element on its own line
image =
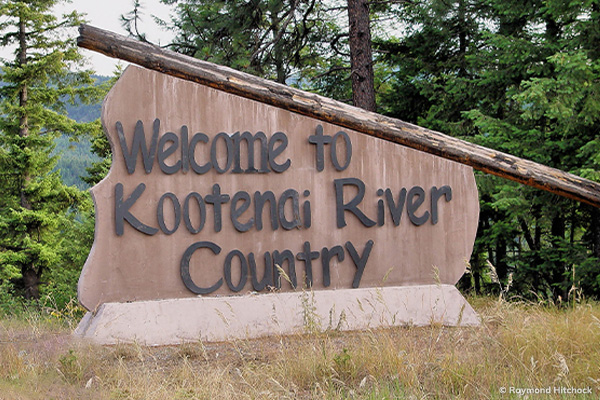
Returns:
<point x="522" y="77"/>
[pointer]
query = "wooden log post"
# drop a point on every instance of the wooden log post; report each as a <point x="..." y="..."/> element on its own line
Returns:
<point x="328" y="110"/>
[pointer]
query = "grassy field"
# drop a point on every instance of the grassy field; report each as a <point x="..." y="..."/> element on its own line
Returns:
<point x="520" y="348"/>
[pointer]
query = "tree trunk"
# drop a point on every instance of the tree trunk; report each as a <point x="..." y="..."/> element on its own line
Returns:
<point x="361" y="59"/>
<point x="558" y="275"/>
<point x="595" y="232"/>
<point x="276" y="25"/>
<point x="477" y="282"/>
<point x="23" y="122"/>
<point x="501" y="264"/>
<point x="31" y="277"/>
<point x="344" y="115"/>
<point x="462" y="39"/>
<point x="592" y="33"/>
<point x="31" y="282"/>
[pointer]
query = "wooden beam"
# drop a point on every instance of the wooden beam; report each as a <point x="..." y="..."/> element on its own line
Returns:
<point x="328" y="110"/>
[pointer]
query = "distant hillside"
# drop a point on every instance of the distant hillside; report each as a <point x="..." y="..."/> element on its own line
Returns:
<point x="75" y="157"/>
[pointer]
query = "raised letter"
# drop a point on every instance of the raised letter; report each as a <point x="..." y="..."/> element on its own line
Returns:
<point x="243" y="270"/>
<point x="250" y="139"/>
<point x="413" y="205"/>
<point x="436" y="193"/>
<point x="237" y="212"/>
<point x="186" y="212"/>
<point x="199" y="169"/>
<point x="160" y="216"/>
<point x="360" y="262"/>
<point x="122" y="211"/>
<point x="267" y="279"/>
<point x="380" y="209"/>
<point x="306" y="210"/>
<point x="275" y="151"/>
<point x="185" y="268"/>
<point x="320" y="141"/>
<point x="278" y="259"/>
<point x="307" y="256"/>
<point x="333" y="150"/>
<point x="259" y="203"/>
<point x="139" y="142"/>
<point x="216" y="199"/>
<point x="326" y="256"/>
<point x="213" y="152"/>
<point x="396" y="210"/>
<point x="185" y="150"/>
<point x="352" y="206"/>
<point x="295" y="222"/>
<point x="163" y="153"/>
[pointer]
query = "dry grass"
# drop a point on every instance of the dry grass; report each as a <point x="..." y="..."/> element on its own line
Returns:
<point x="519" y="345"/>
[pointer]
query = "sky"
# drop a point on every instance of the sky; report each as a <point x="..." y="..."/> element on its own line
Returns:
<point x="106" y="14"/>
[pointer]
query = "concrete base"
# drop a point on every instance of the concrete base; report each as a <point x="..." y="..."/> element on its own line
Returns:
<point x="167" y="322"/>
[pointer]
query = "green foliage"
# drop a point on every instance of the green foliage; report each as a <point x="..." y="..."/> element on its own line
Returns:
<point x="433" y="64"/>
<point x="38" y="213"/>
<point x="70" y="367"/>
<point x="522" y="344"/>
<point x="522" y="78"/>
<point x="100" y="147"/>
<point x="73" y="158"/>
<point x="302" y="43"/>
<point x="269" y="38"/>
<point x="519" y="77"/>
<point x="80" y="156"/>
<point x="76" y="238"/>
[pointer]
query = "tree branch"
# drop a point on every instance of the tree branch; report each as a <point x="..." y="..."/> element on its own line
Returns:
<point x="328" y="110"/>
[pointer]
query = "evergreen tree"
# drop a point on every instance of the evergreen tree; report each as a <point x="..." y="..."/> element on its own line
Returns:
<point x="520" y="77"/>
<point x="269" y="38"/>
<point x="435" y="63"/>
<point x="37" y="210"/>
<point x="100" y="144"/>
<point x="318" y="45"/>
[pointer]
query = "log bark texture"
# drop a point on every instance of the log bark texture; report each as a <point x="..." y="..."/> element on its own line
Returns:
<point x="325" y="109"/>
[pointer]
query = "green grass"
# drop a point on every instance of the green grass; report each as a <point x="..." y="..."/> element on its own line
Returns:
<point x="523" y="346"/>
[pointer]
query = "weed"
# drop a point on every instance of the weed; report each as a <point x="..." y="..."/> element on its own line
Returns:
<point x="70" y="368"/>
<point x="520" y="344"/>
<point x="310" y="317"/>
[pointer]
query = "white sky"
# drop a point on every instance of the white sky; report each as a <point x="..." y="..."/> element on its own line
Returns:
<point x="106" y="14"/>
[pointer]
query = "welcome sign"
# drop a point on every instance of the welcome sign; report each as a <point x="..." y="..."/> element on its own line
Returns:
<point x="211" y="194"/>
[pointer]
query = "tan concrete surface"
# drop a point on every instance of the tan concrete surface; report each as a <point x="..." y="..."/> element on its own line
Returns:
<point x="166" y="322"/>
<point x="135" y="266"/>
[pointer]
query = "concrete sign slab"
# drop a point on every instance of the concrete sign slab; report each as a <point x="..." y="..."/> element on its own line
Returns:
<point x="215" y="319"/>
<point x="210" y="194"/>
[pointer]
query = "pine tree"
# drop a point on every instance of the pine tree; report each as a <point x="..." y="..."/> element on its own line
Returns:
<point x="520" y="77"/>
<point x="318" y="45"/>
<point x="269" y="38"/>
<point x="36" y="208"/>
